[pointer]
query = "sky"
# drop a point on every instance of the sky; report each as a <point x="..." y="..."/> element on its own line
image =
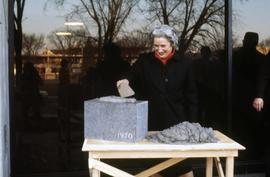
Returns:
<point x="39" y="20"/>
<point x="252" y="15"/>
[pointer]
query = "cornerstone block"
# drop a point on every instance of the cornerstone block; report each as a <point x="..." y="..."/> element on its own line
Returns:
<point x="116" y="119"/>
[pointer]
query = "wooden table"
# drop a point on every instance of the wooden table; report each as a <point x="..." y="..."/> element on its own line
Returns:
<point x="99" y="149"/>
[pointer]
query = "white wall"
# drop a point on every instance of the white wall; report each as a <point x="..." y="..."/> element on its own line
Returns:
<point x="4" y="92"/>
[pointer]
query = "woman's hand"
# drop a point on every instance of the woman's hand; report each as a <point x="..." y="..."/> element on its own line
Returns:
<point x="258" y="104"/>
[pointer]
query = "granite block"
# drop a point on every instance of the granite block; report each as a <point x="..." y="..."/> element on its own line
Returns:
<point x="116" y="119"/>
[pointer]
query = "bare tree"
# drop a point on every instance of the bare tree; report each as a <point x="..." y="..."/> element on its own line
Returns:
<point x="215" y="39"/>
<point x="108" y="16"/>
<point x="163" y="10"/>
<point x="18" y="32"/>
<point x="134" y="39"/>
<point x="32" y="43"/>
<point x="133" y="43"/>
<point x="195" y="19"/>
<point x="68" y="44"/>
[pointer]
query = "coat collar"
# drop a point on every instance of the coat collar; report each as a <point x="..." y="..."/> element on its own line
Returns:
<point x="175" y="58"/>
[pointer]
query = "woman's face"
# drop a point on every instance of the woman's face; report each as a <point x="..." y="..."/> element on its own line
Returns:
<point x="162" y="47"/>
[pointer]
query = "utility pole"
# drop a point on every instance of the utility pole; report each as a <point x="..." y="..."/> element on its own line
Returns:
<point x="228" y="50"/>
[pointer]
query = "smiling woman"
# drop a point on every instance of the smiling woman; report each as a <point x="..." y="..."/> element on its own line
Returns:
<point x="163" y="48"/>
<point x="164" y="78"/>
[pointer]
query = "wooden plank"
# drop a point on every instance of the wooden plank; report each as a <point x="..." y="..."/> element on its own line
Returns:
<point x="219" y="167"/>
<point x="209" y="167"/>
<point x="157" y="147"/>
<point x="159" y="167"/>
<point x="163" y="154"/>
<point x="229" y="166"/>
<point x="224" y="143"/>
<point x="94" y="172"/>
<point x="105" y="168"/>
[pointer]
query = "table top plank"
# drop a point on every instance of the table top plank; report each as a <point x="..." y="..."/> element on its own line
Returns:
<point x="224" y="143"/>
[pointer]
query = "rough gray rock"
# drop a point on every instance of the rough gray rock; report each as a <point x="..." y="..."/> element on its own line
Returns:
<point x="184" y="133"/>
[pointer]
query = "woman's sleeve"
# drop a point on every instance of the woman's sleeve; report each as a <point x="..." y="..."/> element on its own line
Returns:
<point x="134" y="73"/>
<point x="135" y="78"/>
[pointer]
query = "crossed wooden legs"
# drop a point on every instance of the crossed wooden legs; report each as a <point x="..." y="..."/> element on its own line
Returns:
<point x="96" y="166"/>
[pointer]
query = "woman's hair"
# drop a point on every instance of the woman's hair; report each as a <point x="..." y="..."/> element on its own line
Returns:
<point x="167" y="32"/>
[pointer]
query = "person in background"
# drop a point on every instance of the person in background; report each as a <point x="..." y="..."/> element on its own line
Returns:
<point x="64" y="82"/>
<point x="209" y="75"/>
<point x="64" y="75"/>
<point x="266" y="115"/>
<point x="109" y="71"/>
<point x="31" y="98"/>
<point x="249" y="80"/>
<point x="165" y="79"/>
<point x="204" y="75"/>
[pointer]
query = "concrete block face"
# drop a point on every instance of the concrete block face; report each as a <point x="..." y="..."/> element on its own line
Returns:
<point x="120" y="120"/>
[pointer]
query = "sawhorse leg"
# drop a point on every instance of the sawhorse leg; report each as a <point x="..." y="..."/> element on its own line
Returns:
<point x="209" y="167"/>
<point x="229" y="166"/>
<point x="96" y="166"/>
<point x="159" y="167"/>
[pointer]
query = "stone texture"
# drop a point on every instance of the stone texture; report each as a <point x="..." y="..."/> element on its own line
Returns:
<point x="184" y="133"/>
<point x="115" y="118"/>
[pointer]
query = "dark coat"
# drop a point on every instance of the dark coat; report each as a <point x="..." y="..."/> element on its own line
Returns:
<point x="107" y="74"/>
<point x="169" y="89"/>
<point x="250" y="77"/>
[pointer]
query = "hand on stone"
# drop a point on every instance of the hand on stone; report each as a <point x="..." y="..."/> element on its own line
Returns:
<point x="258" y="104"/>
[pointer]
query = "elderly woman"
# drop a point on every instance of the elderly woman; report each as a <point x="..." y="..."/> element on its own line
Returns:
<point x="164" y="78"/>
